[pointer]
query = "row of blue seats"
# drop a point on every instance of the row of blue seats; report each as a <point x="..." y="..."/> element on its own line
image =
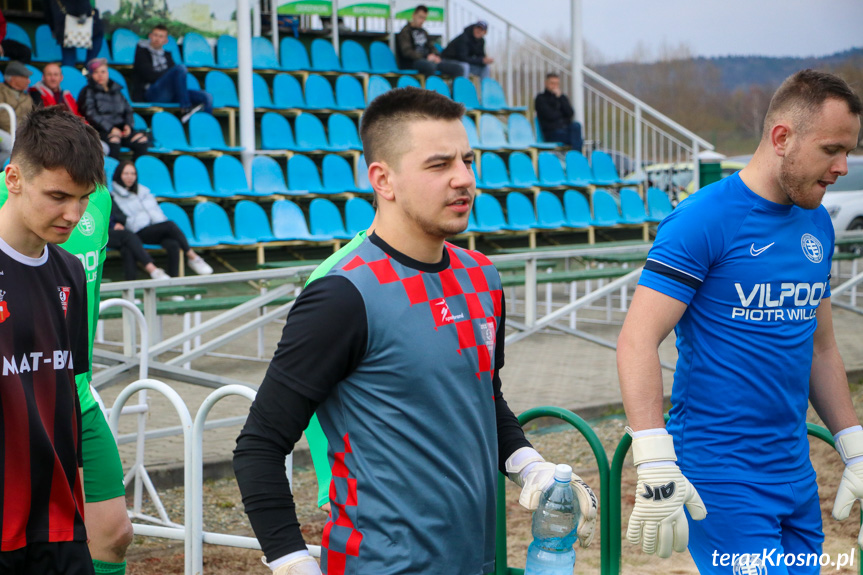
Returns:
<point x="192" y="179"/>
<point x="601" y="171"/>
<point x="574" y="212"/>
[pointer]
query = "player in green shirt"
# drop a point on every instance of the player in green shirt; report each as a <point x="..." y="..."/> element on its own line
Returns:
<point x="108" y="525"/>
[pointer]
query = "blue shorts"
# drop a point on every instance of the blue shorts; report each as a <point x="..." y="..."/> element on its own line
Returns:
<point x="777" y="524"/>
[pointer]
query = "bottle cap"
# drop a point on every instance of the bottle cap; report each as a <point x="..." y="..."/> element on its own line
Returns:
<point x="563" y="472"/>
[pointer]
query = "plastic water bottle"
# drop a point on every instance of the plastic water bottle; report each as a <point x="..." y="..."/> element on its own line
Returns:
<point x="554" y="528"/>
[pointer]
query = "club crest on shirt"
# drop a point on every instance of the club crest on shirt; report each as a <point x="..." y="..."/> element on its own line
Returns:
<point x="4" y="306"/>
<point x="488" y="335"/>
<point x="64" y="292"/>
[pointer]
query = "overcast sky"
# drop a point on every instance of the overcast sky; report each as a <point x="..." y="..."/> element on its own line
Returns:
<point x="708" y="27"/>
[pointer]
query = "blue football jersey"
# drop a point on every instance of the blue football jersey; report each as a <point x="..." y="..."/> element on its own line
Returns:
<point x="752" y="273"/>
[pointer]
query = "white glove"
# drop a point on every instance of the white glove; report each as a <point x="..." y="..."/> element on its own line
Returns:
<point x="850" y="446"/>
<point x="534" y="475"/>
<point x="303" y="565"/>
<point x="658" y="522"/>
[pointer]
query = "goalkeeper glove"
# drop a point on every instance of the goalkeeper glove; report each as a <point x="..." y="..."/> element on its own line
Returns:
<point x="849" y="443"/>
<point x="534" y="475"/>
<point x="658" y="522"/>
<point x="298" y="563"/>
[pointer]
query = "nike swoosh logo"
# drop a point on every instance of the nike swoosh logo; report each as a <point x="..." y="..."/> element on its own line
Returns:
<point x="757" y="252"/>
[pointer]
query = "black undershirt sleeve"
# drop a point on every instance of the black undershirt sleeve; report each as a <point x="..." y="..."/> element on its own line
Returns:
<point x="323" y="341"/>
<point x="510" y="435"/>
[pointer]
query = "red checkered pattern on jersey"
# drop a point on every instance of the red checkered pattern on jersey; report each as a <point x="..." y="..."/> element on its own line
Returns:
<point x="341" y="539"/>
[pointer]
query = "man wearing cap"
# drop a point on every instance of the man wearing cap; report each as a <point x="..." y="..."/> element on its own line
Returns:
<point x="468" y="48"/>
<point x="13" y="91"/>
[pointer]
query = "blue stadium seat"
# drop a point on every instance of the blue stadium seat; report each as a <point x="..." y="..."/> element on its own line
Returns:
<point x="489" y="215"/>
<point x="261" y="92"/>
<point x="168" y="134"/>
<point x="197" y="52"/>
<point x="604" y="170"/>
<point x="605" y="211"/>
<point x="47" y="49"/>
<point x="343" y="133"/>
<point x="519" y="211"/>
<point x="354" y="58"/>
<point x="17" y="33"/>
<point x="494" y="99"/>
<point x="383" y="61"/>
<point x="324" y="58"/>
<point x="521" y="171"/>
<point x="37" y="74"/>
<point x="464" y="91"/>
<point x="287" y="92"/>
<point x="192" y="82"/>
<point x="436" y="84"/>
<point x="212" y="226"/>
<point x="293" y="54"/>
<point x="349" y="94"/>
<point x="226" y="51"/>
<point x="405" y="81"/>
<point x="319" y="93"/>
<point x="139" y="122"/>
<point x="251" y="223"/>
<point x="104" y="52"/>
<point x="73" y="80"/>
<point x="191" y="178"/>
<point x="153" y="173"/>
<point x="115" y="75"/>
<point x="172" y="47"/>
<point x="276" y="133"/>
<point x="289" y="223"/>
<point x="268" y="178"/>
<point x="309" y="134"/>
<point x="325" y="220"/>
<point x="303" y="176"/>
<point x="551" y="172"/>
<point x="578" y="173"/>
<point x="263" y="54"/>
<point x="549" y="212"/>
<point x="363" y="183"/>
<point x="178" y="215"/>
<point x="378" y="85"/>
<point x="631" y="207"/>
<point x="577" y="210"/>
<point x="472" y="136"/>
<point x="494" y="176"/>
<point x="658" y="205"/>
<point x="359" y="214"/>
<point x="229" y="178"/>
<point x="222" y="88"/>
<point x="205" y="132"/>
<point x="521" y="134"/>
<point x="492" y="133"/>
<point x="110" y="165"/>
<point x="123" y="44"/>
<point x="338" y="176"/>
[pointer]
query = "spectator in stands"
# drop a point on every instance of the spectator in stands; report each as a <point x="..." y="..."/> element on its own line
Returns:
<point x="145" y="218"/>
<point x="416" y="52"/>
<point x="105" y="107"/>
<point x="555" y="114"/>
<point x="13" y="91"/>
<point x="12" y="49"/>
<point x="47" y="91"/>
<point x="468" y="48"/>
<point x="159" y="79"/>
<point x="56" y="12"/>
<point x="131" y="249"/>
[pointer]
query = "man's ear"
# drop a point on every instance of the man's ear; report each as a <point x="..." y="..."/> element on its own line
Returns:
<point x="14" y="179"/>
<point x="780" y="135"/>
<point x="380" y="177"/>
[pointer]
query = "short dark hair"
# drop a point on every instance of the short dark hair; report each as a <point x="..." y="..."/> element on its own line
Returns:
<point x="161" y="27"/>
<point x="803" y="94"/>
<point x="50" y="138"/>
<point x="421" y="8"/>
<point x="384" y="120"/>
<point x="551" y="75"/>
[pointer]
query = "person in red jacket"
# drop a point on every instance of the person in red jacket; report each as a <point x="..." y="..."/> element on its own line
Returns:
<point x="47" y="92"/>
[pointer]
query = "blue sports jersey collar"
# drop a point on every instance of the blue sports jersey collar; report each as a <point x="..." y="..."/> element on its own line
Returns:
<point x="738" y="184"/>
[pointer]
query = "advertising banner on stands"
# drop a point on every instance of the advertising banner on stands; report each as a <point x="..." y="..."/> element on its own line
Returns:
<point x="405" y="9"/>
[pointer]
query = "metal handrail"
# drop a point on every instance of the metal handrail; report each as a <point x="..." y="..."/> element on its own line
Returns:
<point x="13" y="121"/>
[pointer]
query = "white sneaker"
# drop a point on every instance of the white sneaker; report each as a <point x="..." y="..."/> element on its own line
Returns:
<point x="185" y="117"/>
<point x="200" y="267"/>
<point x="159" y="274"/>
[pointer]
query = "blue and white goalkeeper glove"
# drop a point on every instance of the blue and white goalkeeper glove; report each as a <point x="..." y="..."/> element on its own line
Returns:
<point x="849" y="443"/>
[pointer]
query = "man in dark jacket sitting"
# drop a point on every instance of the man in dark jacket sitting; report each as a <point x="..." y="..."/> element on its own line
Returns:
<point x="416" y="52"/>
<point x="468" y="48"/>
<point x="159" y="79"/>
<point x="555" y="114"/>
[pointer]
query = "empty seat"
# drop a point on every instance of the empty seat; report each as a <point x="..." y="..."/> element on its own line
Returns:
<point x="576" y="209"/>
<point x="463" y="91"/>
<point x="287" y="92"/>
<point x="289" y="223"/>
<point x="519" y="211"/>
<point x="229" y="178"/>
<point x="251" y="223"/>
<point x="631" y="207"/>
<point x="168" y="134"/>
<point x="493" y="97"/>
<point x="489" y="215"/>
<point x="378" y="85"/>
<point x="494" y="174"/>
<point x="363" y="183"/>
<point x="267" y="177"/>
<point x="47" y="49"/>
<point x="472" y="136"/>
<point x="604" y="170"/>
<point x="549" y="211"/>
<point x="309" y="134"/>
<point x="191" y="177"/>
<point x="263" y="54"/>
<point x="359" y="215"/>
<point x="343" y="133"/>
<point x="293" y="55"/>
<point x="319" y="93"/>
<point x="578" y="173"/>
<point x="192" y="82"/>
<point x="261" y="92"/>
<point x="338" y="176"/>
<point x="436" y="84"/>
<point x="354" y="58"/>
<point x="222" y="88"/>
<point x="170" y="46"/>
<point x="551" y="172"/>
<point x="179" y="216"/>
<point x="325" y="220"/>
<point x="605" y="211"/>
<point x="303" y="176"/>
<point x="276" y="133"/>
<point x="383" y="61"/>
<point x="324" y="58"/>
<point x="492" y="133"/>
<point x="205" y="132"/>
<point x="226" y="51"/>
<point x="197" y="52"/>
<point x="212" y="227"/>
<point x="405" y="81"/>
<point x="139" y="122"/>
<point x="153" y="173"/>
<point x="521" y="171"/>
<point x="521" y="134"/>
<point x="349" y="94"/>
<point x="110" y="165"/>
<point x="37" y="75"/>
<point x="658" y="205"/>
<point x="113" y="75"/>
<point x="73" y="80"/>
<point x="123" y="44"/>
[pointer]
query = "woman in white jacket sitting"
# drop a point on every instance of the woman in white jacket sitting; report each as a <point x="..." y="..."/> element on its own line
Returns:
<point x="146" y="219"/>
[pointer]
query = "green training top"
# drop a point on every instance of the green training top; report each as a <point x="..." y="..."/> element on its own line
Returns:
<point x="87" y="243"/>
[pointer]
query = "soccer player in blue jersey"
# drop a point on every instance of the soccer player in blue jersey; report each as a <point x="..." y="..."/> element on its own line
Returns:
<point x="397" y="344"/>
<point x="741" y="271"/>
